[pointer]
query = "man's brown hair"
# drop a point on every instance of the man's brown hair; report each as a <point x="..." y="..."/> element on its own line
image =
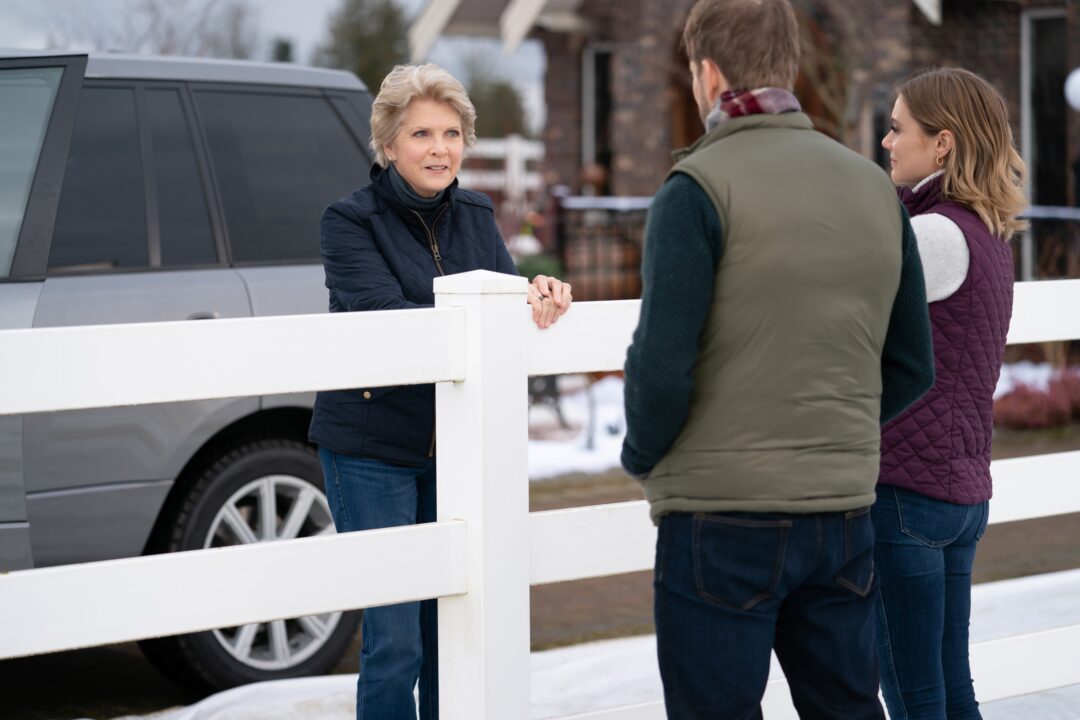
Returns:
<point x="755" y="43"/>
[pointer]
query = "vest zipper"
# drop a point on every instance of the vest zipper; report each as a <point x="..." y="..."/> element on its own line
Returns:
<point x="438" y="266"/>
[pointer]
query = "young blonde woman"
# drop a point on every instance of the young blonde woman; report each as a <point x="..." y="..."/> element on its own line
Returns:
<point x="381" y="247"/>
<point x="961" y="179"/>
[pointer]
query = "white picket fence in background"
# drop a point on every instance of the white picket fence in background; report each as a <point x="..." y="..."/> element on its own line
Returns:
<point x="485" y="550"/>
<point x="515" y="180"/>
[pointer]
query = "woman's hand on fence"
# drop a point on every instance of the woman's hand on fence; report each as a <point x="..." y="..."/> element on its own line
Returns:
<point x="549" y="298"/>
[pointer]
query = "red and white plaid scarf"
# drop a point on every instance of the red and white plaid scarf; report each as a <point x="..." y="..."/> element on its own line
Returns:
<point x="737" y="103"/>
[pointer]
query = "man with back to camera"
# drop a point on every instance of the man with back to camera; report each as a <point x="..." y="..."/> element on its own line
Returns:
<point x="783" y="319"/>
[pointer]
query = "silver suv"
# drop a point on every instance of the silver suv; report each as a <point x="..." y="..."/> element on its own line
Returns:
<point x="138" y="189"/>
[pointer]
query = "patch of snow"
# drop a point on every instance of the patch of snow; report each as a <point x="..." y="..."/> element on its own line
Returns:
<point x="596" y="445"/>
<point x="1034" y="375"/>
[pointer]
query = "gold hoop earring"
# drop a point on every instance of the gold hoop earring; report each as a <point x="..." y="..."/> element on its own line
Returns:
<point x="941" y="161"/>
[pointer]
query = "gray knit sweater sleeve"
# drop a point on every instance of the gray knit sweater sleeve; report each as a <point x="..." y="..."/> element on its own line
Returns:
<point x="944" y="252"/>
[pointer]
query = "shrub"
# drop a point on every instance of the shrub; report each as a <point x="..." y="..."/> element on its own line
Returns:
<point x="532" y="265"/>
<point x="1068" y="386"/>
<point x="1028" y="408"/>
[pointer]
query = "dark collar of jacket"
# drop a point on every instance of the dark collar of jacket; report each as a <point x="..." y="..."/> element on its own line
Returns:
<point x="789" y="120"/>
<point x="384" y="190"/>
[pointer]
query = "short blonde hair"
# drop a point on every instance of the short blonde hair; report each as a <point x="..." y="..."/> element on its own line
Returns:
<point x="406" y="83"/>
<point x="984" y="171"/>
<point x="755" y="43"/>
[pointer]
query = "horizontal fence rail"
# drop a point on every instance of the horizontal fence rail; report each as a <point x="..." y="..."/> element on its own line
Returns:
<point x="566" y="544"/>
<point x="70" y="368"/>
<point x="479" y="346"/>
<point x="592" y="337"/>
<point x="63" y="608"/>
<point x="1051" y="212"/>
<point x="606" y="202"/>
<point x="1045" y="311"/>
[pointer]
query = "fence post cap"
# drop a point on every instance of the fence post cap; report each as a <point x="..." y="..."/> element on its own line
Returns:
<point x="480" y="282"/>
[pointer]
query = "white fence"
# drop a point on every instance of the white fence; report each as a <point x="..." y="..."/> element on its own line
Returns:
<point x="515" y="180"/>
<point x="486" y="549"/>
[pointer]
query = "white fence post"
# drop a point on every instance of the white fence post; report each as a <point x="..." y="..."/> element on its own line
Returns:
<point x="482" y="447"/>
<point x="515" y="174"/>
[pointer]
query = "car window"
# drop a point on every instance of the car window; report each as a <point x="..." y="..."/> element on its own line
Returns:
<point x="183" y="220"/>
<point x="26" y="101"/>
<point x="355" y="109"/>
<point x="101" y="219"/>
<point x="279" y="160"/>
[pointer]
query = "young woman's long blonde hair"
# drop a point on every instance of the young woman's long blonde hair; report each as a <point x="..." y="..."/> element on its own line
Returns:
<point x="983" y="171"/>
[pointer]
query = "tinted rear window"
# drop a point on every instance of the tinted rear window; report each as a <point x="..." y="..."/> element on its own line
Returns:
<point x="101" y="220"/>
<point x="26" y="101"/>
<point x="279" y="160"/>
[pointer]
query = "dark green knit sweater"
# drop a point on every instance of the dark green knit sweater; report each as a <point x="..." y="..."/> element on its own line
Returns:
<point x="683" y="244"/>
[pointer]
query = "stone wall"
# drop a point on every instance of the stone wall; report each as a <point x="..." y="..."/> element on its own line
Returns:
<point x="646" y="68"/>
<point x="562" y="92"/>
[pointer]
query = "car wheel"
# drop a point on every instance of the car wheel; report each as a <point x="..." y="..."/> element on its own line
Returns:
<point x="260" y="492"/>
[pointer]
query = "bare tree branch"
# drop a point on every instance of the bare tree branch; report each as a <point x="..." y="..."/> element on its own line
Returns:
<point x="215" y="28"/>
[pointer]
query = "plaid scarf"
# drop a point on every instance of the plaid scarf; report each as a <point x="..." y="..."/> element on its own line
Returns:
<point x="737" y="103"/>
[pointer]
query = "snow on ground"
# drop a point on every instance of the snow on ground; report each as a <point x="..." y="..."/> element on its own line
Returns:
<point x="614" y="673"/>
<point x="1035" y="375"/>
<point x="594" y="447"/>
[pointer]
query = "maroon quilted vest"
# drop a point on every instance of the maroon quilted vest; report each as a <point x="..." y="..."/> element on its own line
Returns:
<point x="940" y="445"/>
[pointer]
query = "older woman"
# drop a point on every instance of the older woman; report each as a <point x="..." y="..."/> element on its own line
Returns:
<point x="382" y="246"/>
<point x="951" y="152"/>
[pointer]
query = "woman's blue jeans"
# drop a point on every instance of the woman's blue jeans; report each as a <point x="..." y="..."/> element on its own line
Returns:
<point x="400" y="641"/>
<point x="924" y="550"/>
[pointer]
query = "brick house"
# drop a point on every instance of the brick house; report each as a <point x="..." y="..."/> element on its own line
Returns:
<point x="618" y="99"/>
<point x="617" y="87"/>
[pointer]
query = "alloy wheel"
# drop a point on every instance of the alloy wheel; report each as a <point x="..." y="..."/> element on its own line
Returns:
<point x="270" y="508"/>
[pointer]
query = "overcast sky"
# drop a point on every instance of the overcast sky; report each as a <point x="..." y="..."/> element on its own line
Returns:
<point x="27" y="24"/>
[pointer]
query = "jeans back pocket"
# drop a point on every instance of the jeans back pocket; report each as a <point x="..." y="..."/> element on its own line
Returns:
<point x="738" y="559"/>
<point x="857" y="572"/>
<point x="932" y="522"/>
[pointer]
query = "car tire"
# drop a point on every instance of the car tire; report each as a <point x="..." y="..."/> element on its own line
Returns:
<point x="223" y="507"/>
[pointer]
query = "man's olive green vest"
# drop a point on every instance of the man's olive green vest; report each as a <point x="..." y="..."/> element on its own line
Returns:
<point x="784" y="415"/>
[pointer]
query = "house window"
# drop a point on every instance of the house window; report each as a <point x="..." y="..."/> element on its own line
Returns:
<point x="1047" y="250"/>
<point x="596" y="117"/>
<point x="1045" y="66"/>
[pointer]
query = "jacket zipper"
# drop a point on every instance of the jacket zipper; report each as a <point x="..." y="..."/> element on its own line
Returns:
<point x="438" y="266"/>
<point x="431" y="237"/>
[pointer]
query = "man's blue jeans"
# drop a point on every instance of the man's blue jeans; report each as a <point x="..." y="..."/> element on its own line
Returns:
<point x="730" y="587"/>
<point x="924" y="553"/>
<point x="400" y="641"/>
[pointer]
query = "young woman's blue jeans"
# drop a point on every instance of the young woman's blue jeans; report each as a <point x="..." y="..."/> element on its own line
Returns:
<point x="400" y="641"/>
<point x="924" y="550"/>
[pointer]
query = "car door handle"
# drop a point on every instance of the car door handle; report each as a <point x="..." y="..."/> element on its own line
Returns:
<point x="204" y="315"/>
